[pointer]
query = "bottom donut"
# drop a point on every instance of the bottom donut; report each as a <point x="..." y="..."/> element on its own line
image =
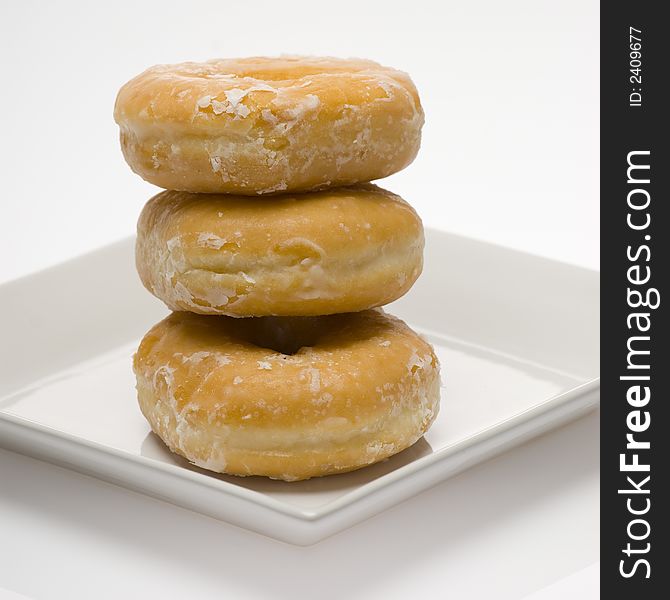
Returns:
<point x="287" y="397"/>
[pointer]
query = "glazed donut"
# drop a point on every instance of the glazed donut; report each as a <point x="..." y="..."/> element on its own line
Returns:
<point x="288" y="398"/>
<point x="317" y="253"/>
<point x="263" y="125"/>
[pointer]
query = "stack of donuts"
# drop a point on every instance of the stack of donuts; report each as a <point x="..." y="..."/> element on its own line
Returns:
<point x="275" y="254"/>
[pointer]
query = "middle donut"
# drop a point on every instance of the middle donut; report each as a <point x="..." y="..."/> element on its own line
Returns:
<point x="339" y="250"/>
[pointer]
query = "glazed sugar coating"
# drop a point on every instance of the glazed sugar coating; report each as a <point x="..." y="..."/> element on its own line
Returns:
<point x="338" y="250"/>
<point x="263" y="125"/>
<point x="288" y="398"/>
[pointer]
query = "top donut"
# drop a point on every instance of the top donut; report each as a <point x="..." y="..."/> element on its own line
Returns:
<point x="266" y="125"/>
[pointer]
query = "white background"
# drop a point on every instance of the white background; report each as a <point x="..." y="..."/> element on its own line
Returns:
<point x="509" y="154"/>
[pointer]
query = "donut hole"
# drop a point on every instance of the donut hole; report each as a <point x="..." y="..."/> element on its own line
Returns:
<point x="284" y="335"/>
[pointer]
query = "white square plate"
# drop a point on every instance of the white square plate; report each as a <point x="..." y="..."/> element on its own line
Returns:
<point x="517" y="336"/>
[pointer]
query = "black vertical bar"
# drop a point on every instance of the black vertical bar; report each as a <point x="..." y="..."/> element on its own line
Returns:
<point x="634" y="297"/>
